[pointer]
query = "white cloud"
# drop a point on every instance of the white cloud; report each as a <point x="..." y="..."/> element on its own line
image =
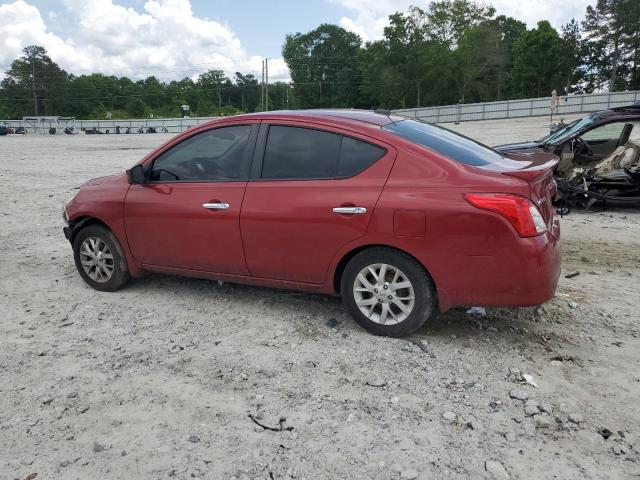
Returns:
<point x="165" y="39"/>
<point x="532" y="11"/>
<point x="368" y="18"/>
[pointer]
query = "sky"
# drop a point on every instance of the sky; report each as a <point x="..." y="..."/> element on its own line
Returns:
<point x="172" y="39"/>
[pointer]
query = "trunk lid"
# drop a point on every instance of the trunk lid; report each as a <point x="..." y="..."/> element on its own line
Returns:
<point x="535" y="168"/>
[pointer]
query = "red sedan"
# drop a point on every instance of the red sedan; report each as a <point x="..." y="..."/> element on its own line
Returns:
<point x="400" y="218"/>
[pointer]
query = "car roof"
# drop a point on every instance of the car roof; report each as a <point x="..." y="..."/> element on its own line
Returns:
<point x="632" y="110"/>
<point x="345" y="116"/>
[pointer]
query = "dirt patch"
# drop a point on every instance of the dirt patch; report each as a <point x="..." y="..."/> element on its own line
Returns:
<point x="158" y="380"/>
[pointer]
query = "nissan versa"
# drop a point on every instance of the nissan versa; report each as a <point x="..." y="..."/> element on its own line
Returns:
<point x="400" y="218"/>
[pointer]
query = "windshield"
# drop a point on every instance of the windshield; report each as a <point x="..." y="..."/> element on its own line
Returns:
<point x="455" y="146"/>
<point x="569" y="130"/>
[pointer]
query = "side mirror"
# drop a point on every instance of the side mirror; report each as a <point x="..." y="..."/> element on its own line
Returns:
<point x="136" y="174"/>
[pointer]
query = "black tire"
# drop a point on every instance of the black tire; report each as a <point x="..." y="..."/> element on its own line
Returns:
<point x="423" y="289"/>
<point x="120" y="274"/>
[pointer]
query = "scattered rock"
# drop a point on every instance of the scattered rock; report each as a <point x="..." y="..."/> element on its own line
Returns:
<point x="332" y="323"/>
<point x="528" y="379"/>
<point x="423" y="344"/>
<point x="376" y="382"/>
<point x="519" y="394"/>
<point x="531" y="410"/>
<point x="604" y="432"/>
<point x="449" y="416"/>
<point x="572" y="274"/>
<point x="193" y="438"/>
<point x="575" y="418"/>
<point x="98" y="447"/>
<point x="573" y="304"/>
<point x="543" y="421"/>
<point x="83" y="409"/>
<point x="514" y="375"/>
<point x="618" y="450"/>
<point x="510" y="437"/>
<point x="545" y="407"/>
<point x="47" y="400"/>
<point x="496" y="470"/>
<point x="409" y="474"/>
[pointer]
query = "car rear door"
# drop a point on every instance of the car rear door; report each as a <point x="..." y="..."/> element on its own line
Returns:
<point x="186" y="215"/>
<point x="313" y="190"/>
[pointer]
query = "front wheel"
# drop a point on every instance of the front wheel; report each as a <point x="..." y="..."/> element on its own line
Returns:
<point x="387" y="292"/>
<point x="100" y="259"/>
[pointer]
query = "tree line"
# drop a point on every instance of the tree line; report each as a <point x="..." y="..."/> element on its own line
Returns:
<point x="453" y="51"/>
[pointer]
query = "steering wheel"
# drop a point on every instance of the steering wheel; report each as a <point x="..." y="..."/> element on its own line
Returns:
<point x="581" y="146"/>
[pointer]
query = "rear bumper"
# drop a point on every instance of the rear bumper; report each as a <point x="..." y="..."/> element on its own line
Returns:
<point x="522" y="276"/>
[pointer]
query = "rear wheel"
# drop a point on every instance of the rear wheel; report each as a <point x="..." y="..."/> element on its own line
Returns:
<point x="100" y="259"/>
<point x="387" y="292"/>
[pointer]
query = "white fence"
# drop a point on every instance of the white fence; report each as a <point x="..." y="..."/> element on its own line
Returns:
<point x="44" y="125"/>
<point x="449" y="113"/>
<point x="521" y="108"/>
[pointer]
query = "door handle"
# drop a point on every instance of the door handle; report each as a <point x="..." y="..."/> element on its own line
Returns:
<point x="350" y="210"/>
<point x="215" y="206"/>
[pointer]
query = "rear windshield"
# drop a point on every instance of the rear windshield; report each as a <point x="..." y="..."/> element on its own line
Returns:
<point x="455" y="146"/>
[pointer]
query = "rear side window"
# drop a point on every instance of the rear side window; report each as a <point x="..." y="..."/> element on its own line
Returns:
<point x="294" y="152"/>
<point x="455" y="146"/>
<point x="356" y="156"/>
<point x="303" y="153"/>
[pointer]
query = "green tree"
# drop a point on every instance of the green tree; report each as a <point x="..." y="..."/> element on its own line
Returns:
<point x="136" y="107"/>
<point x="323" y="66"/>
<point x="508" y="30"/>
<point x="212" y="85"/>
<point x="447" y="20"/>
<point x="573" y="52"/>
<point x="247" y="95"/>
<point x="476" y="56"/>
<point x="537" y="63"/>
<point x="611" y="29"/>
<point x="36" y="82"/>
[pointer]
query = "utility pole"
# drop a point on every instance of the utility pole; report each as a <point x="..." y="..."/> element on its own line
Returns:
<point x="33" y="86"/>
<point x="266" y="87"/>
<point x="262" y="88"/>
<point x="287" y="95"/>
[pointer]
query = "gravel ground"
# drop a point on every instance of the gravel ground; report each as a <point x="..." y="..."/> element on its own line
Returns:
<point x="159" y="379"/>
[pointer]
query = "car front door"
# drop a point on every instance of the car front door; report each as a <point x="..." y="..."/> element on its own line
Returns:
<point x="605" y="139"/>
<point x="314" y="191"/>
<point x="186" y="214"/>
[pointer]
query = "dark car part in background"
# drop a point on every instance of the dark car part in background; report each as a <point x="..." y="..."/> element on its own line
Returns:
<point x="599" y="158"/>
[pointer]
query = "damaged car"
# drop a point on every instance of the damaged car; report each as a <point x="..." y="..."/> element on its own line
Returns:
<point x="599" y="158"/>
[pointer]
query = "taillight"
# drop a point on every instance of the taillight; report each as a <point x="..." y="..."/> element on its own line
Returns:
<point x="520" y="211"/>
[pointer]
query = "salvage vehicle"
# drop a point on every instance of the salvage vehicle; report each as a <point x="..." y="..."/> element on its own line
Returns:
<point x="398" y="217"/>
<point x="599" y="158"/>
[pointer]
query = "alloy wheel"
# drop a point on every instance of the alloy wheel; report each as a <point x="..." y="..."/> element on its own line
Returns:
<point x="96" y="259"/>
<point x="384" y="294"/>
